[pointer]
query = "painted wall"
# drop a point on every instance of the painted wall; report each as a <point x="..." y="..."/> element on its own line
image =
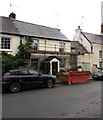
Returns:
<point x="52" y="45"/>
<point x="79" y="37"/>
<point x="92" y="58"/>
<point x="15" y="41"/>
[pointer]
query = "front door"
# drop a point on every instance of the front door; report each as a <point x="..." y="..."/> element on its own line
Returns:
<point x="54" y="68"/>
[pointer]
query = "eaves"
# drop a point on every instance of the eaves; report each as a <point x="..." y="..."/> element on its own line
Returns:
<point x="21" y="35"/>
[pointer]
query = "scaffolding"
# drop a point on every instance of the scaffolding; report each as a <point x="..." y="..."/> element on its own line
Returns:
<point x="44" y="50"/>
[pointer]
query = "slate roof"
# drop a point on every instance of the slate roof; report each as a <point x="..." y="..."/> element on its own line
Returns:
<point x="75" y="47"/>
<point x="93" y="38"/>
<point x="16" y="27"/>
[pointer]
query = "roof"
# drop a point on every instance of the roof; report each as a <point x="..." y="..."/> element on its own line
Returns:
<point x="52" y="57"/>
<point x="76" y="46"/>
<point x="16" y="27"/>
<point x="93" y="38"/>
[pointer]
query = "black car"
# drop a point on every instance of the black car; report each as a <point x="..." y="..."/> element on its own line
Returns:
<point x="15" y="80"/>
<point x="98" y="75"/>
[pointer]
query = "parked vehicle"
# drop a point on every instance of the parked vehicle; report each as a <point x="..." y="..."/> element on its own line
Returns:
<point x="15" y="80"/>
<point x="98" y="75"/>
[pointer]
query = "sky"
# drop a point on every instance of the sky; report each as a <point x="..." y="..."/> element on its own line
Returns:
<point x="65" y="15"/>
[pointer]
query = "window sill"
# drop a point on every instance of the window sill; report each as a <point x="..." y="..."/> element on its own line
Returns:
<point x="6" y="50"/>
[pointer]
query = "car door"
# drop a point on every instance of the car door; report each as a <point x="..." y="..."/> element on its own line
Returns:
<point x="36" y="78"/>
<point x="25" y="78"/>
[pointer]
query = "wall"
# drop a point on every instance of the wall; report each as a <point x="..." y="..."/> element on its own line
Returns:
<point x="15" y="41"/>
<point x="52" y="45"/>
<point x="92" y="58"/>
<point x="79" y="37"/>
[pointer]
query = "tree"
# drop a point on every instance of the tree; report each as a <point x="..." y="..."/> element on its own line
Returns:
<point x="23" y="55"/>
<point x="8" y="62"/>
<point x="29" y="41"/>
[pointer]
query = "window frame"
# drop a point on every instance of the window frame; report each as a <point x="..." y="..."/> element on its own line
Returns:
<point x="35" y="44"/>
<point x="100" y="64"/>
<point x="62" y="46"/>
<point x="7" y="43"/>
<point x="35" y="62"/>
<point x="100" y="54"/>
<point x="62" y="63"/>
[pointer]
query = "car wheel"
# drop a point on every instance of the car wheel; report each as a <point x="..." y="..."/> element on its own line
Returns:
<point x="50" y="83"/>
<point x="15" y="87"/>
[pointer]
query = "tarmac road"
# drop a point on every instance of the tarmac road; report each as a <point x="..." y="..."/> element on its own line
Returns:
<point x="62" y="101"/>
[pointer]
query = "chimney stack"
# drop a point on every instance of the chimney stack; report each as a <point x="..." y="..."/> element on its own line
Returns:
<point x="102" y="28"/>
<point x="12" y="15"/>
<point x="78" y="27"/>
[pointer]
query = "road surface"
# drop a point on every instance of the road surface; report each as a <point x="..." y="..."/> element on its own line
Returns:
<point x="62" y="101"/>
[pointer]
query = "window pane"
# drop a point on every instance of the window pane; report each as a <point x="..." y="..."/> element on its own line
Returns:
<point x="100" y="54"/>
<point x="5" y="43"/>
<point x="100" y="64"/>
<point x="35" y="44"/>
<point x="61" y="47"/>
<point x="34" y="62"/>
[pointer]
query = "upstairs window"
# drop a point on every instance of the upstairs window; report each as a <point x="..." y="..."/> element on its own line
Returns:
<point x="5" y="43"/>
<point x="100" y="54"/>
<point x="35" y="44"/>
<point x="61" y="47"/>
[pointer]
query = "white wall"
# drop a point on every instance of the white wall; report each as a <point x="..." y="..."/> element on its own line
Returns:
<point x="52" y="45"/>
<point x="15" y="41"/>
<point x="79" y="37"/>
<point x="92" y="58"/>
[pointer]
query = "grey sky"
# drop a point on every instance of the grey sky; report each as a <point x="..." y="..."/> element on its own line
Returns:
<point x="67" y="14"/>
